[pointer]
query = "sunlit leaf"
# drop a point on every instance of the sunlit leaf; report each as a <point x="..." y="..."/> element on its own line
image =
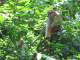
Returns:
<point x="1" y="18"/>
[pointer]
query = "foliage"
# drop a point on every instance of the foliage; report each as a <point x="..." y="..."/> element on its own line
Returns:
<point x="27" y="18"/>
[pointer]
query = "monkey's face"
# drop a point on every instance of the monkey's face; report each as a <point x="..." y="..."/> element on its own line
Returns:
<point x="53" y="13"/>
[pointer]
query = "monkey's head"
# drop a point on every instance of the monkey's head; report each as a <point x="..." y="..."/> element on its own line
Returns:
<point x="53" y="13"/>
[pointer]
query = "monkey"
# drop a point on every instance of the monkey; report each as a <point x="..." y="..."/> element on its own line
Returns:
<point x="53" y="23"/>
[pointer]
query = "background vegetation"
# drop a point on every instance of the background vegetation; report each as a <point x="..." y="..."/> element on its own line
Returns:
<point x="26" y="19"/>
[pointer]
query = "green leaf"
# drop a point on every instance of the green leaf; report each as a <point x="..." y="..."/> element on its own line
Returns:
<point x="1" y="19"/>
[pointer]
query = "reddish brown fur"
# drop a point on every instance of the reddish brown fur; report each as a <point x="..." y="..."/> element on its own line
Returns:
<point x="52" y="25"/>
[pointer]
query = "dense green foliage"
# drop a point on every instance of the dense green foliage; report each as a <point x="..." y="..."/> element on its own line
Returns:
<point x="27" y="19"/>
